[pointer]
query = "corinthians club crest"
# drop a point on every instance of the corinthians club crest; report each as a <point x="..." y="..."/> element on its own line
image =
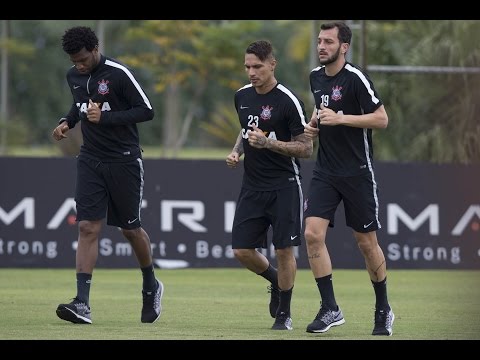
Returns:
<point x="336" y="94"/>
<point x="266" y="112"/>
<point x="103" y="87"/>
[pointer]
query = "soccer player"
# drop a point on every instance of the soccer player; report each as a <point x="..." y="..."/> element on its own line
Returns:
<point x="347" y="108"/>
<point x="108" y="101"/>
<point x="272" y="120"/>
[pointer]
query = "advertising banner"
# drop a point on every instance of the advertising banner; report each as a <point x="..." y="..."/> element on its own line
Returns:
<point x="430" y="216"/>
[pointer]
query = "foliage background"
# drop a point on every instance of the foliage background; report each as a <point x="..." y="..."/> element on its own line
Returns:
<point x="191" y="69"/>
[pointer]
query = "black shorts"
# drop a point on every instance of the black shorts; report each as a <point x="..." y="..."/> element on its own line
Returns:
<point x="109" y="189"/>
<point x="359" y="195"/>
<point x="258" y="210"/>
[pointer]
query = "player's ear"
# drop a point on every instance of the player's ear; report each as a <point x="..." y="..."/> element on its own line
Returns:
<point x="273" y="63"/>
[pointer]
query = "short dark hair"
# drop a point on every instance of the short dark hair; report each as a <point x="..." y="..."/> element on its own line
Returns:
<point x="77" y="38"/>
<point x="262" y="49"/>
<point x="344" y="32"/>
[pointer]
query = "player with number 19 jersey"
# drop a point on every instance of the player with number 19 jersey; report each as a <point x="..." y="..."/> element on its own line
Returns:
<point x="344" y="150"/>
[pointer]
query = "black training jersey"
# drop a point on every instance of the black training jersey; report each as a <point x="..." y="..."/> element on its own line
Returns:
<point x="123" y="103"/>
<point x="344" y="150"/>
<point x="281" y="115"/>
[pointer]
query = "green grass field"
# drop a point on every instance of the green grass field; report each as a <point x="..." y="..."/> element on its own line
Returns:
<point x="228" y="304"/>
<point x="150" y="152"/>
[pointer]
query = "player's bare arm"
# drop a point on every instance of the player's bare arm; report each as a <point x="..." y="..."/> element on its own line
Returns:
<point x="234" y="157"/>
<point x="301" y="146"/>
<point x="376" y="120"/>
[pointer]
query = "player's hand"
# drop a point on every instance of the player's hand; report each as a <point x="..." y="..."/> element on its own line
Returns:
<point x="93" y="112"/>
<point x="232" y="159"/>
<point x="257" y="138"/>
<point x="327" y="116"/>
<point x="59" y="132"/>
<point x="311" y="129"/>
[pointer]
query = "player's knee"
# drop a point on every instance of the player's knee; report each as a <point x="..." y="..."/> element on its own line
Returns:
<point x="313" y="236"/>
<point x="367" y="245"/>
<point x="241" y="254"/>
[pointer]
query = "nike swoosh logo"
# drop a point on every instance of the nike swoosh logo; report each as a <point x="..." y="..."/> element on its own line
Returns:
<point x="293" y="237"/>
<point x="132" y="221"/>
<point x="365" y="226"/>
<point x="316" y="91"/>
<point x="75" y="87"/>
<point x="243" y="107"/>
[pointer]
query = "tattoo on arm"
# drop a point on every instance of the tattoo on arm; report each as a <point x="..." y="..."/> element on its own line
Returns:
<point x="238" y="147"/>
<point x="314" y="256"/>
<point x="300" y="146"/>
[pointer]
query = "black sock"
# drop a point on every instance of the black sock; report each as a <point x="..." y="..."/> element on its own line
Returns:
<point x="285" y="299"/>
<point x="83" y="287"/>
<point x="381" y="300"/>
<point x="325" y="286"/>
<point x="271" y="275"/>
<point x="149" y="281"/>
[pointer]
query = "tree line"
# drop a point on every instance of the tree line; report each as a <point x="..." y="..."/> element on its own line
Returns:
<point x="191" y="69"/>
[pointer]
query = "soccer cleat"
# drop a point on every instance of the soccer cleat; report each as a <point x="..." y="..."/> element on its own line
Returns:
<point x="325" y="319"/>
<point x="282" y="322"/>
<point x="274" y="300"/>
<point x="76" y="312"/>
<point x="152" y="307"/>
<point x="383" y="322"/>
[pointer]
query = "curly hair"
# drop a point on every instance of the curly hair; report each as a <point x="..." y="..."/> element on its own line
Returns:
<point x="77" y="38"/>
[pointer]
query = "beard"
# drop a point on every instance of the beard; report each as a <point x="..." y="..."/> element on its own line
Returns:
<point x="331" y="59"/>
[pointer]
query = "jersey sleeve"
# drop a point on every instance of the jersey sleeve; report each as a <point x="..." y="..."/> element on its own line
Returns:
<point x="139" y="109"/>
<point x="72" y="117"/>
<point x="295" y="111"/>
<point x="296" y="121"/>
<point x="367" y="95"/>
